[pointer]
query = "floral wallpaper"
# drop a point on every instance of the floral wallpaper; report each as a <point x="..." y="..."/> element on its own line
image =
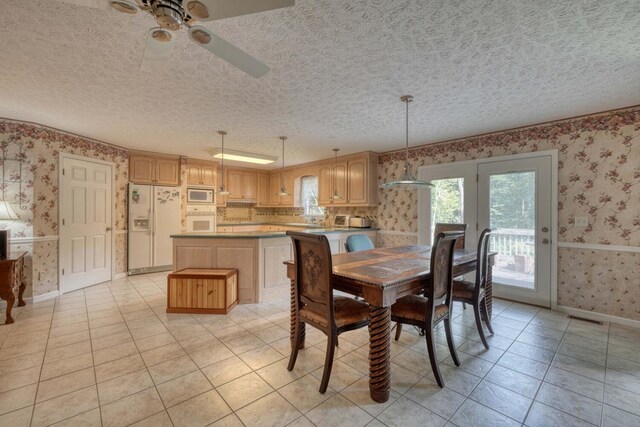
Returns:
<point x="599" y="177"/>
<point x="34" y="195"/>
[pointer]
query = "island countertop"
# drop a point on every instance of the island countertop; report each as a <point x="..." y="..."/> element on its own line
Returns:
<point x="266" y="234"/>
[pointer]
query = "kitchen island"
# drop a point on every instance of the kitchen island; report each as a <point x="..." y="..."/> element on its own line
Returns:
<point x="257" y="255"/>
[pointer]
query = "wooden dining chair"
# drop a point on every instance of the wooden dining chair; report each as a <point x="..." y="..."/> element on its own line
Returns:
<point x="434" y="306"/>
<point x="315" y="303"/>
<point x="473" y="293"/>
<point x="442" y="226"/>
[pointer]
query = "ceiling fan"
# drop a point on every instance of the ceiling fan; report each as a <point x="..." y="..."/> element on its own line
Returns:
<point x="173" y="15"/>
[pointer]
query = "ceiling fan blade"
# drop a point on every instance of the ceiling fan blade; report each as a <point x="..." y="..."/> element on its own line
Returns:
<point x="211" y="10"/>
<point x="94" y="4"/>
<point x="225" y="50"/>
<point x="157" y="52"/>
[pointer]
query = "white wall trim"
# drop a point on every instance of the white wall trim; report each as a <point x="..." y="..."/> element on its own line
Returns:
<point x="398" y="233"/>
<point x="23" y="240"/>
<point x="120" y="276"/>
<point x="42" y="297"/>
<point x="592" y="315"/>
<point x="599" y="247"/>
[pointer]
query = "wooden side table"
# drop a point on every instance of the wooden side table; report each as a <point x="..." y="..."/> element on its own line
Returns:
<point x="12" y="279"/>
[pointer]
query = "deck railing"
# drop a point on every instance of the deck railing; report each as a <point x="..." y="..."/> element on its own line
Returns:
<point x="510" y="241"/>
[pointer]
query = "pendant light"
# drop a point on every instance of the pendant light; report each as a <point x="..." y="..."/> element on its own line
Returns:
<point x="335" y="196"/>
<point x="283" y="190"/>
<point x="223" y="191"/>
<point x="408" y="179"/>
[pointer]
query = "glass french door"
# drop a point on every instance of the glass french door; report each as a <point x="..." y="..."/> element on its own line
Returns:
<point x="513" y="198"/>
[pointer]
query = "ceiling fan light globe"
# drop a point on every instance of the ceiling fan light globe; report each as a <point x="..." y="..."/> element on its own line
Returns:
<point x="197" y="10"/>
<point x="124" y="7"/>
<point x="162" y="36"/>
<point x="201" y="37"/>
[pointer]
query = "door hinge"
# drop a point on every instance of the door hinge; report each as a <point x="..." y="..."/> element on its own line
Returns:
<point x="477" y="177"/>
<point x="62" y="171"/>
<point x="476" y="226"/>
<point x="63" y="271"/>
<point x="62" y="221"/>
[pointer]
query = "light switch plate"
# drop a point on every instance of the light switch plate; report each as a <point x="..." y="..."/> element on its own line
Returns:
<point x="581" y="221"/>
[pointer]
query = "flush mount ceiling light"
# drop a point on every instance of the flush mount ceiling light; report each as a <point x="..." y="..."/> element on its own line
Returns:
<point x="283" y="190"/>
<point x="335" y="196"/>
<point x="223" y="191"/>
<point x="241" y="156"/>
<point x="408" y="179"/>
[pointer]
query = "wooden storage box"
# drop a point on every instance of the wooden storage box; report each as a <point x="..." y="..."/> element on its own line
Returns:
<point x="200" y="290"/>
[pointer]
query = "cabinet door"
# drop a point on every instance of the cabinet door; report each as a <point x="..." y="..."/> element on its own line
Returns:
<point x="288" y="183"/>
<point x="167" y="171"/>
<point x="194" y="174"/>
<point x="208" y="175"/>
<point x="141" y="170"/>
<point x="340" y="183"/>
<point x="325" y="185"/>
<point x="250" y="185"/>
<point x="234" y="184"/>
<point x="263" y="190"/>
<point x="274" y="189"/>
<point x="357" y="181"/>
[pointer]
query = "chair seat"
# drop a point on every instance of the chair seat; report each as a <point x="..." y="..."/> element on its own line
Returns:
<point x="414" y="309"/>
<point x="463" y="290"/>
<point x="348" y="311"/>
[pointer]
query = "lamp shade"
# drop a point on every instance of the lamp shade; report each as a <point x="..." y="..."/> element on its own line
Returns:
<point x="6" y="213"/>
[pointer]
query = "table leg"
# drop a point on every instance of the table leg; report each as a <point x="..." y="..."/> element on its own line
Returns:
<point x="21" y="302"/>
<point x="10" y="298"/>
<point x="294" y="319"/>
<point x="380" y="353"/>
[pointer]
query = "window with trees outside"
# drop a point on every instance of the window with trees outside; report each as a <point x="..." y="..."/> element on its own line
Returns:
<point x="447" y="202"/>
<point x="309" y="196"/>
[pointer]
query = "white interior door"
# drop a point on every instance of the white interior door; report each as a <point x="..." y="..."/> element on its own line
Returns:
<point x="514" y="200"/>
<point x="86" y="203"/>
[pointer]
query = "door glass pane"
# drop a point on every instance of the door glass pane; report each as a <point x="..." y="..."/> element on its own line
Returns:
<point x="447" y="201"/>
<point x="512" y="218"/>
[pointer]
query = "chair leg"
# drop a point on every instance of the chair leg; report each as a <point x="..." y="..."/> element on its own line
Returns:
<point x="328" y="363"/>
<point x="337" y="342"/>
<point x="398" y="330"/>
<point x="485" y="312"/>
<point x="294" y="348"/>
<point x="452" y="347"/>
<point x="476" y="312"/>
<point x="432" y="356"/>
<point x="464" y="305"/>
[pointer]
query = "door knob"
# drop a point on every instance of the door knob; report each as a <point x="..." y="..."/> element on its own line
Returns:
<point x="108" y="229"/>
<point x="545" y="241"/>
<point x="545" y="229"/>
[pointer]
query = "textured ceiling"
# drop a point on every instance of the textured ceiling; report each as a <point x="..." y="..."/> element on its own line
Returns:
<point x="338" y="68"/>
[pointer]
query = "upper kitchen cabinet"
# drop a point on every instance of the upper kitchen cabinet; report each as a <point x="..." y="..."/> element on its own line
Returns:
<point x="241" y="184"/>
<point x="354" y="179"/>
<point x="276" y="180"/>
<point x="201" y="173"/>
<point x="154" y="169"/>
<point x="263" y="189"/>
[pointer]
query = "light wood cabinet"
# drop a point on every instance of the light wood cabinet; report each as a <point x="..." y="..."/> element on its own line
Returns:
<point x="152" y="169"/>
<point x="242" y="184"/>
<point x="263" y="189"/>
<point x="201" y="173"/>
<point x="276" y="179"/>
<point x="353" y="177"/>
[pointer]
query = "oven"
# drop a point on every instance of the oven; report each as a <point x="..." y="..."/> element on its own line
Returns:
<point x="201" y="218"/>
<point x="200" y="195"/>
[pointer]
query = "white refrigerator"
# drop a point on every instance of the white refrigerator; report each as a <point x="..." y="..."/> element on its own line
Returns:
<point x="154" y="215"/>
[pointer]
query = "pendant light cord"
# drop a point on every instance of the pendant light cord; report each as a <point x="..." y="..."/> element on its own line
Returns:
<point x="282" y="189"/>
<point x="222" y="134"/>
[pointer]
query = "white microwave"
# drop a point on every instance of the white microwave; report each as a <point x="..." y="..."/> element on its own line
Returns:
<point x="200" y="195"/>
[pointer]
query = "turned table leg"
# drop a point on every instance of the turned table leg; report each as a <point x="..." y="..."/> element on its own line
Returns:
<point x="10" y="298"/>
<point x="21" y="302"/>
<point x="380" y="353"/>
<point x="294" y="319"/>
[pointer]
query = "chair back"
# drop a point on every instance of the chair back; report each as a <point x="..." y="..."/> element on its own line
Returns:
<point x="441" y="226"/>
<point x="442" y="268"/>
<point x="483" y="260"/>
<point x="358" y="242"/>
<point x="313" y="287"/>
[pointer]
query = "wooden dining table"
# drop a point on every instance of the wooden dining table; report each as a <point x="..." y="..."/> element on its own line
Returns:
<point x="381" y="276"/>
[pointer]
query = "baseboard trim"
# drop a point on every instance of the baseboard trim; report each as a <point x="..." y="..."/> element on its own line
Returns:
<point x="119" y="276"/>
<point x="42" y="297"/>
<point x="592" y="315"/>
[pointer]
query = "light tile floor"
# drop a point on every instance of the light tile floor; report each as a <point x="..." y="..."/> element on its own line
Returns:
<point x="110" y="355"/>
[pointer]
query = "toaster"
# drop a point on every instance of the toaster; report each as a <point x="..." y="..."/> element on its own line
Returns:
<point x="359" y="222"/>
